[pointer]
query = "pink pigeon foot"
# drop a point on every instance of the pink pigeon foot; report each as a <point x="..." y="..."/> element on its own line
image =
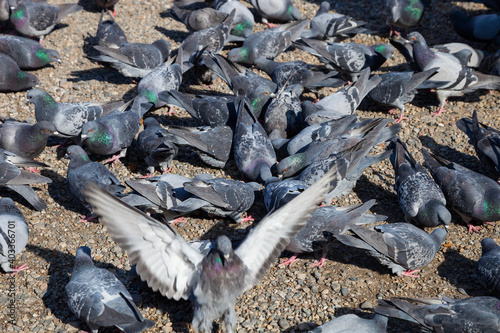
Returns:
<point x="410" y="273"/>
<point x="489" y="223"/>
<point x="473" y="228"/>
<point x="113" y="160"/>
<point x="249" y="218"/>
<point x="170" y="112"/>
<point x="147" y="176"/>
<point x="400" y="119"/>
<point x="178" y="220"/>
<point x="271" y="25"/>
<point x="91" y="218"/>
<point x="441" y="110"/>
<point x="33" y="170"/>
<point x="289" y="261"/>
<point x="320" y="263"/>
<point x="18" y="269"/>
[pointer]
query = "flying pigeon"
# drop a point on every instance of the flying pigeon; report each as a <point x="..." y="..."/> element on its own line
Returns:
<point x="487" y="267"/>
<point x="109" y="34"/>
<point x="353" y="323"/>
<point x="27" y="53"/>
<point x="24" y="139"/>
<point x="400" y="246"/>
<point x="15" y="230"/>
<point x="212" y="282"/>
<point x="12" y="78"/>
<point x="480" y="28"/>
<point x="96" y="296"/>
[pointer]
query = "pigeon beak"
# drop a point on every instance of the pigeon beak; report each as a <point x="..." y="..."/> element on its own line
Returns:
<point x="83" y="137"/>
<point x="59" y="60"/>
<point x="55" y="133"/>
<point x="406" y="41"/>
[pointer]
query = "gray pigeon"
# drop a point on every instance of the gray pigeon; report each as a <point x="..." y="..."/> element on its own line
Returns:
<point x="211" y="282"/>
<point x="37" y="19"/>
<point x="472" y="195"/>
<point x="15" y="231"/>
<point x="96" y="296"/>
<point x="278" y="193"/>
<point x="155" y="145"/>
<point x="134" y="59"/>
<point x="276" y="10"/>
<point x="24" y="139"/>
<point x="491" y="64"/>
<point x="476" y="57"/>
<point x="353" y="323"/>
<point x="253" y="151"/>
<point x="283" y="118"/>
<point x="488" y="266"/>
<point x="483" y="28"/>
<point x="12" y="78"/>
<point x="199" y="19"/>
<point x="268" y="43"/>
<point x="404" y="13"/>
<point x="4" y="10"/>
<point x="107" y="5"/>
<point x="446" y="314"/>
<point x="486" y="142"/>
<point x="420" y="198"/>
<point x="400" y="246"/>
<point x="81" y="171"/>
<point x="109" y="34"/>
<point x="27" y="53"/>
<point x="68" y="118"/>
<point x="244" y="20"/>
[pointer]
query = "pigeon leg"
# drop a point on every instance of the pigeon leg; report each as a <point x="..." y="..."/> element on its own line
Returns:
<point x="320" y="263"/>
<point x="18" y="269"/>
<point x="489" y="223"/>
<point x="441" y="110"/>
<point x="88" y="218"/>
<point x="178" y="220"/>
<point x="115" y="159"/>
<point x="248" y="218"/>
<point x="150" y="175"/>
<point x="410" y="273"/>
<point x="473" y="228"/>
<point x="289" y="261"/>
<point x="33" y="170"/>
<point x="401" y="118"/>
<point x="269" y="25"/>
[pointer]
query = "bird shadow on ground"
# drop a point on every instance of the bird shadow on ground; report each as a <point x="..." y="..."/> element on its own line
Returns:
<point x="17" y="198"/>
<point x="101" y="74"/>
<point x="175" y="35"/>
<point x="89" y="6"/>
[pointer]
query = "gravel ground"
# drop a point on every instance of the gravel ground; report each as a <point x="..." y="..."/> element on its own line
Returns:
<point x="290" y="300"/>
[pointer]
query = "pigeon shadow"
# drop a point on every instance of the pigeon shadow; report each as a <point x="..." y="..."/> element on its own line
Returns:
<point x="101" y="74"/>
<point x="90" y="6"/>
<point x="175" y="35"/>
<point x="17" y="198"/>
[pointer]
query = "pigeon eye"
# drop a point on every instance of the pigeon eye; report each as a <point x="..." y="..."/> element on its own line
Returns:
<point x="234" y="56"/>
<point x="47" y="130"/>
<point x="266" y="93"/>
<point x="90" y="131"/>
<point x="413" y="38"/>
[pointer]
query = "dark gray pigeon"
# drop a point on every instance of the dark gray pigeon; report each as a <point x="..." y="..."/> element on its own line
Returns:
<point x="134" y="59"/>
<point x="353" y="323"/>
<point x="20" y="180"/>
<point x="253" y="151"/>
<point x="283" y="118"/>
<point x="37" y="19"/>
<point x="400" y="246"/>
<point x="155" y="145"/>
<point x="15" y="231"/>
<point x="211" y="282"/>
<point x="420" y="198"/>
<point x="398" y="88"/>
<point x="82" y="171"/>
<point x="488" y="266"/>
<point x="491" y="64"/>
<point x="404" y="13"/>
<point x="278" y="193"/>
<point x="472" y="195"/>
<point x="96" y="296"/>
<point x="199" y="19"/>
<point x="486" y="142"/>
<point x="446" y="314"/>
<point x="244" y="20"/>
<point x="109" y="33"/>
<point x="27" y="53"/>
<point x="483" y="28"/>
<point x="268" y="43"/>
<point x="12" y="78"/>
<point x="68" y="118"/>
<point x="276" y="10"/>
<point x="24" y="139"/>
<point x="107" y="5"/>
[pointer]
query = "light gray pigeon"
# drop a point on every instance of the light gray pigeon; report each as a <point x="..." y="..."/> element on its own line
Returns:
<point x="68" y="118"/>
<point x="476" y="58"/>
<point x="420" y="198"/>
<point x="400" y="246"/>
<point x="4" y="10"/>
<point x="243" y="19"/>
<point x="404" y="13"/>
<point x="24" y="139"/>
<point x="488" y="266"/>
<point x="199" y="19"/>
<point x="12" y="78"/>
<point x="81" y="171"/>
<point x="109" y="33"/>
<point x="135" y="59"/>
<point x="472" y="195"/>
<point x="353" y="323"/>
<point x="96" y="296"/>
<point x="15" y="231"/>
<point x="445" y="314"/>
<point x="28" y="54"/>
<point x="37" y="19"/>
<point x="276" y="10"/>
<point x="211" y="282"/>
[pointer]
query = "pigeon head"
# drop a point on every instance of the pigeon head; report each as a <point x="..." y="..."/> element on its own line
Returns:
<point x="224" y="247"/>
<point x="25" y="81"/>
<point x="293" y="13"/>
<point x="83" y="258"/>
<point x="164" y="47"/>
<point x="46" y="128"/>
<point x="416" y="38"/>
<point x="242" y="29"/>
<point x="386" y="50"/>
<point x="45" y="105"/>
<point x="487" y="245"/>
<point x="77" y="156"/>
<point x="46" y="56"/>
<point x="92" y="133"/>
<point x="240" y="54"/>
<point x="150" y="122"/>
<point x="439" y="235"/>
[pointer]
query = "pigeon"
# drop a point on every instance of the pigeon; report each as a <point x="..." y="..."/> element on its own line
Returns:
<point x="335" y="26"/>
<point x="81" y="171"/>
<point x="491" y="64"/>
<point x="480" y="28"/>
<point x="134" y="59"/>
<point x="400" y="246"/>
<point x="276" y="10"/>
<point x="199" y="19"/>
<point x="325" y="222"/>
<point x="341" y="103"/>
<point x="106" y="4"/>
<point x="68" y="118"/>
<point x="283" y="118"/>
<point x="109" y="34"/>
<point x="398" y="88"/>
<point x="155" y="145"/>
<point x="420" y="198"/>
<point x="405" y="13"/>
<point x="278" y="193"/>
<point x="253" y="151"/>
<point x="96" y="296"/>
<point x="244" y="20"/>
<point x="476" y="57"/>
<point x="445" y="314"/>
<point x="486" y="142"/>
<point x="19" y="180"/>
<point x="487" y="267"/>
<point x="220" y="197"/>
<point x="15" y="231"/>
<point x="348" y="58"/>
<point x="12" y="78"/>
<point x="268" y="43"/>
<point x="24" y="139"/>
<point x="111" y="133"/>
<point x="37" y="19"/>
<point x="27" y="53"/>
<point x="4" y="10"/>
<point x="211" y="282"/>
<point x="472" y="195"/>
<point x="353" y="323"/>
<point x="453" y="76"/>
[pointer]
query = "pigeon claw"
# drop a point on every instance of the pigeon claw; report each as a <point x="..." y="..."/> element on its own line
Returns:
<point x="289" y="261"/>
<point x="178" y="220"/>
<point x="319" y="263"/>
<point x="410" y="273"/>
<point x="90" y="218"/>
<point x="473" y="228"/>
<point x="249" y="218"/>
<point x="18" y="269"/>
<point x="113" y="160"/>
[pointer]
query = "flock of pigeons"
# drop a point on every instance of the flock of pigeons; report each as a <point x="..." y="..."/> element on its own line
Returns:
<point x="322" y="148"/>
